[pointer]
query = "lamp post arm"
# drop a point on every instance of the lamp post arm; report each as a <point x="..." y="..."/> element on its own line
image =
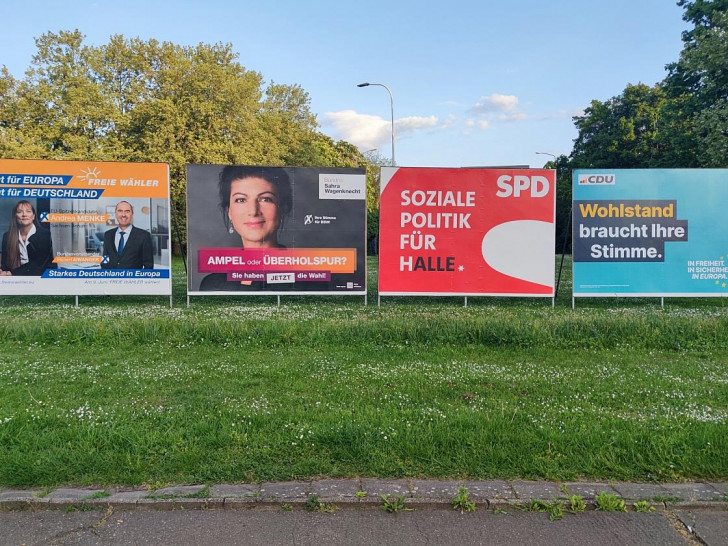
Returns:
<point x="391" y="106"/>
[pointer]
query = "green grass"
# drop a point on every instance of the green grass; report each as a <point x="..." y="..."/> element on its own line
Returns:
<point x="127" y="391"/>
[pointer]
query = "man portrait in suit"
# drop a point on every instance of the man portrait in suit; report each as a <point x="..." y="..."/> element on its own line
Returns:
<point x="126" y="246"/>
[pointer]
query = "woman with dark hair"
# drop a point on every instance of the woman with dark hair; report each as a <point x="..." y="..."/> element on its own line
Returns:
<point x="255" y="202"/>
<point x="27" y="248"/>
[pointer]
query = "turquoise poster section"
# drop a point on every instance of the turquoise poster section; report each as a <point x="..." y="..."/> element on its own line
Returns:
<point x="650" y="232"/>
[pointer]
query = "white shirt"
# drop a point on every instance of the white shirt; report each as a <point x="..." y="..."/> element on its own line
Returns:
<point x="117" y="237"/>
<point x="23" y="245"/>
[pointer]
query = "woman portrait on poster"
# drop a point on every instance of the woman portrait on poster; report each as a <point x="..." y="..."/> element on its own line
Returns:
<point x="255" y="202"/>
<point x="27" y="249"/>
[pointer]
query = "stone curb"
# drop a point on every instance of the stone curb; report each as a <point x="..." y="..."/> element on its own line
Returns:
<point x="348" y="494"/>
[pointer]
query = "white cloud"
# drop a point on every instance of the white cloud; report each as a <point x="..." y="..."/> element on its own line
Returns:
<point x="512" y="116"/>
<point x="449" y="121"/>
<point x="500" y="107"/>
<point x="484" y="125"/>
<point x="413" y="123"/>
<point x="361" y="130"/>
<point x="366" y="132"/>
<point x="496" y="103"/>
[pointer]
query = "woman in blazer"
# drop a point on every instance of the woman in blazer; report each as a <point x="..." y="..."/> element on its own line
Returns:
<point x="27" y="248"/>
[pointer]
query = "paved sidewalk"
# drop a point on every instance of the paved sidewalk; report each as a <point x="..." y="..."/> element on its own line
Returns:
<point x="348" y="512"/>
<point x="364" y="493"/>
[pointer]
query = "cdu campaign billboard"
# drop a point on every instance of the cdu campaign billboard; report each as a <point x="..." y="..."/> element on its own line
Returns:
<point x="480" y="232"/>
<point x="650" y="232"/>
<point x="276" y="230"/>
<point x="84" y="227"/>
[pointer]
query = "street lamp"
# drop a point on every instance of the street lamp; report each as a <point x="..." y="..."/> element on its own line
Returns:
<point x="391" y="104"/>
<point x="547" y="153"/>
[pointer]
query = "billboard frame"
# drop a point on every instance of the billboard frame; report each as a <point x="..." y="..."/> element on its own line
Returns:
<point x="72" y="199"/>
<point x="509" y="170"/>
<point x="657" y="188"/>
<point x="296" y="231"/>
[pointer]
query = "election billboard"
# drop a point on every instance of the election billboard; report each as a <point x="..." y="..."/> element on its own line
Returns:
<point x="276" y="230"/>
<point x="650" y="232"/>
<point x="479" y="232"/>
<point x="62" y="221"/>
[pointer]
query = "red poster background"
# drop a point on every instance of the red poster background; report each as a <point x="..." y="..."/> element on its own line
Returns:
<point x="471" y="274"/>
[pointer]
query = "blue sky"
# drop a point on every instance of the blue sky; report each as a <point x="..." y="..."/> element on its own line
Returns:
<point x="474" y="82"/>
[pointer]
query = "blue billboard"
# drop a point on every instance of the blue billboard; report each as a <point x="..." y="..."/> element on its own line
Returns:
<point x="650" y="232"/>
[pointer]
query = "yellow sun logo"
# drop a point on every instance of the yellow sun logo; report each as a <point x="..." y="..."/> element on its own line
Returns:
<point x="91" y="173"/>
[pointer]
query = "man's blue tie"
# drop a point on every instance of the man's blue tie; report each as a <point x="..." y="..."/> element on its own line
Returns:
<point x="121" y="242"/>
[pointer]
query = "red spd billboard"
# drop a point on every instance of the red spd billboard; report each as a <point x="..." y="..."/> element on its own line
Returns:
<point x="467" y="232"/>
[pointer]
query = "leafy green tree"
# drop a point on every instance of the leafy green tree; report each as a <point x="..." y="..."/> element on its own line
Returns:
<point x="680" y="122"/>
<point x="61" y="93"/>
<point x="675" y="139"/>
<point x="136" y="100"/>
<point x="288" y="121"/>
<point x="700" y="79"/>
<point x="12" y="138"/>
<point x="705" y="16"/>
<point x="621" y="132"/>
<point x="711" y="126"/>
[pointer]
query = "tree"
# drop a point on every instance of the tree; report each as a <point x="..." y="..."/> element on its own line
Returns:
<point x="136" y="100"/>
<point x="621" y="132"/>
<point x="705" y="16"/>
<point x="699" y="80"/>
<point x="702" y="14"/>
<point x="680" y="122"/>
<point x="711" y="126"/>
